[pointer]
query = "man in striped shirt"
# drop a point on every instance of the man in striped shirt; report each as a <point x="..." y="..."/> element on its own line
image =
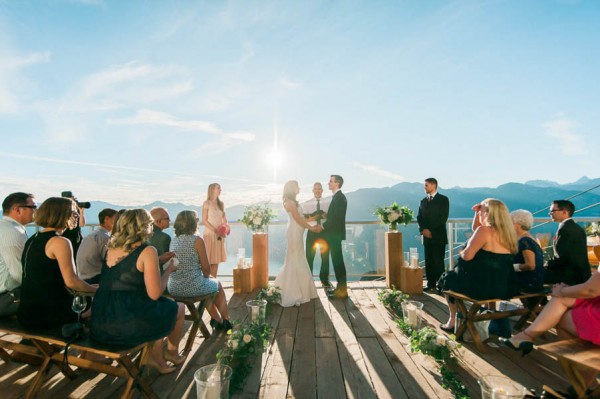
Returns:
<point x="17" y="211"/>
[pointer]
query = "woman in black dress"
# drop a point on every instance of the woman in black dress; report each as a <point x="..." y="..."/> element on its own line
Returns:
<point x="485" y="267"/>
<point x="48" y="267"/>
<point x="129" y="308"/>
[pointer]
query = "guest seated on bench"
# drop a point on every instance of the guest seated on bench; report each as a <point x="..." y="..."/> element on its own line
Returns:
<point x="574" y="310"/>
<point x="48" y="267"/>
<point x="193" y="277"/>
<point x="129" y="308"/>
<point x="485" y="267"/>
<point x="529" y="261"/>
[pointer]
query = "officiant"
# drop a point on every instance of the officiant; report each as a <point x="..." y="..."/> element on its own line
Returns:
<point x="315" y="211"/>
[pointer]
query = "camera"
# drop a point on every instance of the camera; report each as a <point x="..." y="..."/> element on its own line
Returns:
<point x="69" y="194"/>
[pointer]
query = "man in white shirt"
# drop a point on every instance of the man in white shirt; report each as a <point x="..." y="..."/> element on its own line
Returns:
<point x="313" y="210"/>
<point x="93" y="248"/>
<point x="17" y="211"/>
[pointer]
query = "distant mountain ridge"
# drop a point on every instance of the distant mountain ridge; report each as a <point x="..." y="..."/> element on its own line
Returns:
<point x="535" y="196"/>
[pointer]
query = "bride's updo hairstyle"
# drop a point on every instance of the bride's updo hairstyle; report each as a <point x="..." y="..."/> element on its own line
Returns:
<point x="134" y="225"/>
<point x="289" y="191"/>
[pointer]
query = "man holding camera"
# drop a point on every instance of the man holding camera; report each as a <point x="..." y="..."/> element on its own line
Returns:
<point x="74" y="234"/>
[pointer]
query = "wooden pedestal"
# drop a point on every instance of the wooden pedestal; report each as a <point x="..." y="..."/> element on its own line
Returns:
<point x="393" y="259"/>
<point x="242" y="280"/>
<point x="411" y="280"/>
<point x="260" y="260"/>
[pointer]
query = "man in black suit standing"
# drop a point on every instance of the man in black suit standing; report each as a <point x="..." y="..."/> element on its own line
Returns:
<point x="432" y="218"/>
<point x="570" y="264"/>
<point x="335" y="233"/>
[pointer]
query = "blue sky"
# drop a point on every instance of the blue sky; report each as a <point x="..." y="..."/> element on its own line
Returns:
<point x="135" y="101"/>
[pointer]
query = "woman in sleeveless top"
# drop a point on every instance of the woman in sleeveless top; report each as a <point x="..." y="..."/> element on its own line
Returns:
<point x="192" y="278"/>
<point x="529" y="261"/>
<point x="213" y="216"/>
<point x="129" y="308"/>
<point x="485" y="267"/>
<point x="295" y="279"/>
<point x="48" y="268"/>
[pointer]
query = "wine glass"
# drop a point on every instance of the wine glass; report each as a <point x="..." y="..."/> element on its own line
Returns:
<point x="78" y="306"/>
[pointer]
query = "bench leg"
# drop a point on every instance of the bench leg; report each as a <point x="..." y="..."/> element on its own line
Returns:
<point x="39" y="379"/>
<point x="530" y="304"/>
<point x="5" y="356"/>
<point x="134" y="376"/>
<point x="197" y="323"/>
<point x="48" y="351"/>
<point x="579" y="382"/>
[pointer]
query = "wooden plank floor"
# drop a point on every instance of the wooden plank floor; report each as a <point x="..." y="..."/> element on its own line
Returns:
<point x="323" y="349"/>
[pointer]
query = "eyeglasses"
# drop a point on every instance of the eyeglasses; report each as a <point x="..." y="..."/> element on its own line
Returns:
<point x="34" y="207"/>
<point x="554" y="210"/>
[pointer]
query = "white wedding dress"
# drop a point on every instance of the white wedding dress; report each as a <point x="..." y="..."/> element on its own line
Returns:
<point x="294" y="278"/>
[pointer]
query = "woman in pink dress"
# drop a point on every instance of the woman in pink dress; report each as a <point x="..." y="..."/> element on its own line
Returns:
<point x="574" y="310"/>
<point x="215" y="227"/>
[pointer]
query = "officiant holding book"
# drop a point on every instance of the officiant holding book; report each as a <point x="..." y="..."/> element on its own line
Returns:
<point x="315" y="211"/>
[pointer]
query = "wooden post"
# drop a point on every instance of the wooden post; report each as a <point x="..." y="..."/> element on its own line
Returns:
<point x="393" y="259"/>
<point x="260" y="260"/>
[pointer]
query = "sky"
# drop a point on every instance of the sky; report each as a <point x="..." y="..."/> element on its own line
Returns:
<point x="132" y="102"/>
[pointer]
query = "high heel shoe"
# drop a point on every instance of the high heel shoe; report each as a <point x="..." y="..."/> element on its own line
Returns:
<point x="174" y="357"/>
<point x="215" y="324"/>
<point x="161" y="370"/>
<point x="227" y="325"/>
<point x="446" y="328"/>
<point x="524" y="346"/>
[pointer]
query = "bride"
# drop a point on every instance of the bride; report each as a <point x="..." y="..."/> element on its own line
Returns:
<point x="294" y="278"/>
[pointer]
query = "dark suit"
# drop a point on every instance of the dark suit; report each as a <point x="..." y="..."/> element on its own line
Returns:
<point x="570" y="264"/>
<point x="433" y="215"/>
<point x="160" y="240"/>
<point x="335" y="232"/>
<point x="311" y="250"/>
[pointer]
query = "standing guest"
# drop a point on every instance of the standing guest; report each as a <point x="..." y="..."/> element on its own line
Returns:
<point x="485" y="267"/>
<point x="213" y="217"/>
<point x="93" y="248"/>
<point x="529" y="261"/>
<point x="129" y="308"/>
<point x="48" y="267"/>
<point x="161" y="240"/>
<point x="570" y="264"/>
<point x="17" y="211"/>
<point x="432" y="218"/>
<point x="335" y="233"/>
<point x="313" y="210"/>
<point x="193" y="278"/>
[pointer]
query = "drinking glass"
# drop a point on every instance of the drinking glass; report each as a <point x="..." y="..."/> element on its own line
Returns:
<point x="78" y="306"/>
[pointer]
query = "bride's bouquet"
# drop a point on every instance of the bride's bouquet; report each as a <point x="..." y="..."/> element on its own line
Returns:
<point x="257" y="217"/>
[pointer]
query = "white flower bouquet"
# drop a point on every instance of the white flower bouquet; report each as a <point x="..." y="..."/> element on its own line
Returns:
<point x="394" y="215"/>
<point x="257" y="217"/>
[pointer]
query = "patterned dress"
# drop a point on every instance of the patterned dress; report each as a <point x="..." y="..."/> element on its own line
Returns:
<point x="215" y="248"/>
<point x="188" y="280"/>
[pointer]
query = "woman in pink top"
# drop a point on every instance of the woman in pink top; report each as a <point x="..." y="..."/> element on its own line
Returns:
<point x="215" y="227"/>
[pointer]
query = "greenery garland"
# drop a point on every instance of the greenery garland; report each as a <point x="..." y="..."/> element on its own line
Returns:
<point x="427" y="340"/>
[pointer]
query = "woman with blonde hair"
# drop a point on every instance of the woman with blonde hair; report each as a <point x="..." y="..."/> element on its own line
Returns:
<point x="129" y="308"/>
<point x="485" y="267"/>
<point x="193" y="278"/>
<point x="215" y="227"/>
<point x="294" y="278"/>
<point x="48" y="266"/>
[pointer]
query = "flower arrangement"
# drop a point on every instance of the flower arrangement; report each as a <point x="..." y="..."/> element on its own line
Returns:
<point x="394" y="215"/>
<point x="428" y="341"/>
<point x="271" y="294"/>
<point x="245" y="341"/>
<point x="593" y="229"/>
<point x="392" y="299"/>
<point x="223" y="231"/>
<point x="257" y="217"/>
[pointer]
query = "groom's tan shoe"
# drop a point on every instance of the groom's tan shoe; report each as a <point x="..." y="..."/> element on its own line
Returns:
<point x="339" y="292"/>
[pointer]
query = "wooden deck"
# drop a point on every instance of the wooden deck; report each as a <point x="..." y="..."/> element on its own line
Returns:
<point x="323" y="349"/>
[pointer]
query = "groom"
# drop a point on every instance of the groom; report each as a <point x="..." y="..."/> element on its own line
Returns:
<point x="335" y="232"/>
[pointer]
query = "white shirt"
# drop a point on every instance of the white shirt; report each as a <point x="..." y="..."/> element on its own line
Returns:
<point x="12" y="242"/>
<point x="310" y="206"/>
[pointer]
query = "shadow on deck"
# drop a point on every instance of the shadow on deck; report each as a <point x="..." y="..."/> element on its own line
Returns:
<point x="323" y="349"/>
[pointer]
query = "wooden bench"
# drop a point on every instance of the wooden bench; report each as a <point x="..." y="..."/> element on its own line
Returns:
<point x="195" y="316"/>
<point x="575" y="356"/>
<point x="49" y="345"/>
<point x="472" y="315"/>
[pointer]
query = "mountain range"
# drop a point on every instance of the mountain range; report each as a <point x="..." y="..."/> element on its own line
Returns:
<point x="535" y="196"/>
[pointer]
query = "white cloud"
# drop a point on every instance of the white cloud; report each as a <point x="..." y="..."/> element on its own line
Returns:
<point x="561" y="129"/>
<point x="12" y="79"/>
<point x="377" y="171"/>
<point x="289" y="84"/>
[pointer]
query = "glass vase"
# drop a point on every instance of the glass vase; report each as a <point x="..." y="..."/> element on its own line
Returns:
<point x="393" y="227"/>
<point x="260" y="229"/>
